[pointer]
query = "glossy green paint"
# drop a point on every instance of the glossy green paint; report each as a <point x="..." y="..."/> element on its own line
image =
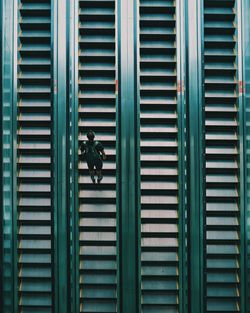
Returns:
<point x="1" y="152"/>
<point x="118" y="156"/>
<point x="60" y="157"/>
<point x="54" y="169"/>
<point x="138" y="152"/>
<point x="73" y="113"/>
<point x="7" y="261"/>
<point x="182" y="181"/>
<point x="241" y="158"/>
<point x="14" y="157"/>
<point x="127" y="156"/>
<point x="195" y="132"/>
<point x="201" y="135"/>
<point x="245" y="16"/>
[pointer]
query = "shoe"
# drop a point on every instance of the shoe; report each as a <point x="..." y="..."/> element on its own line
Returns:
<point x="99" y="179"/>
<point x="93" y="179"/>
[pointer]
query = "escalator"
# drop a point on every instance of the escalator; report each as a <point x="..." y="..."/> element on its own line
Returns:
<point x="34" y="157"/>
<point x="222" y="211"/>
<point x="98" y="263"/>
<point x="159" y="157"/>
<point x="106" y="217"/>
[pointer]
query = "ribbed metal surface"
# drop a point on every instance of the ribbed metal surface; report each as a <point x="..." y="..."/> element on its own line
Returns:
<point x="222" y="236"/>
<point x="247" y="165"/>
<point x="248" y="182"/>
<point x="246" y="45"/>
<point x="34" y="178"/>
<point x="97" y="111"/>
<point x="159" y="157"/>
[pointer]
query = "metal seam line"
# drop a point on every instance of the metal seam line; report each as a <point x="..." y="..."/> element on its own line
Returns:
<point x="1" y="151"/>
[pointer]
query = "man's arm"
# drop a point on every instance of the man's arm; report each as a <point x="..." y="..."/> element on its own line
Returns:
<point x="83" y="147"/>
<point x="104" y="157"/>
<point x="101" y="150"/>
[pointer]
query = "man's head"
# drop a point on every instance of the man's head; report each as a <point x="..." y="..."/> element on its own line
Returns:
<point x="90" y="135"/>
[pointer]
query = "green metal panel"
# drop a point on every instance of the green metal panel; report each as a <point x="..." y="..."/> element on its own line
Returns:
<point x="162" y="157"/>
<point x="239" y="60"/>
<point x="195" y="146"/>
<point x="33" y="157"/>
<point x="246" y="121"/>
<point x="223" y="197"/>
<point x="14" y="156"/>
<point x="1" y="151"/>
<point x="128" y="152"/>
<point x="60" y="156"/>
<point x="182" y="152"/>
<point x="138" y="154"/>
<point x="6" y="149"/>
<point x="98" y="261"/>
<point x="118" y="168"/>
<point x="53" y="72"/>
<point x="73" y="127"/>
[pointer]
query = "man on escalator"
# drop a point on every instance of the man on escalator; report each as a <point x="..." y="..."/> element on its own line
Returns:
<point x="93" y="152"/>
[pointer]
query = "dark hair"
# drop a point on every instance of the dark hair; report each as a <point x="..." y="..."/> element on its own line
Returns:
<point x="90" y="135"/>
